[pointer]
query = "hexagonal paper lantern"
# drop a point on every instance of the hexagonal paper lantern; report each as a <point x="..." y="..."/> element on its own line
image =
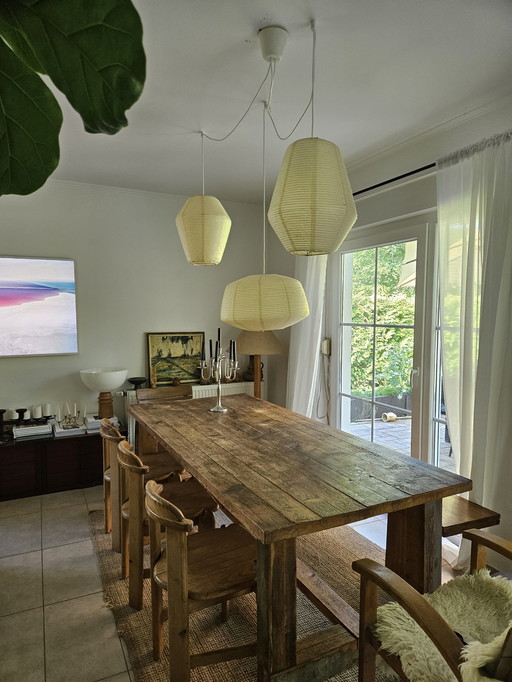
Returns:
<point x="203" y="226"/>
<point x="312" y="207"/>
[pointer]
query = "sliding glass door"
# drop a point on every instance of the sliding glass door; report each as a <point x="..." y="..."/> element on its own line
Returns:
<point x="383" y="367"/>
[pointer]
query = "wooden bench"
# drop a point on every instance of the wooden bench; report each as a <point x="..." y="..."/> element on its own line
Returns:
<point x="460" y="514"/>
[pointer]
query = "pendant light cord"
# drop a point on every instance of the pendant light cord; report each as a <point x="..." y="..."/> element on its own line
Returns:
<point x="221" y="139"/>
<point x="311" y="98"/>
<point x="271" y="71"/>
<point x="264" y="141"/>
<point x="202" y="155"/>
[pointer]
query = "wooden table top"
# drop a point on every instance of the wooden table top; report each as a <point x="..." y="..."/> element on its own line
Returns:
<point x="282" y="475"/>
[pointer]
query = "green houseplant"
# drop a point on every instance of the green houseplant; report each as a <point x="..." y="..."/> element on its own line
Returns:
<point x="91" y="50"/>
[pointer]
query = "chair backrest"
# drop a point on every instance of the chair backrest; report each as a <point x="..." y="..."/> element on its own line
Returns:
<point x="132" y="478"/>
<point x="111" y="437"/>
<point x="164" y="512"/>
<point x="180" y="392"/>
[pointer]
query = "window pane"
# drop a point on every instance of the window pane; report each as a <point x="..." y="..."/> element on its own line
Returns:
<point x="356" y="417"/>
<point x="396" y="283"/>
<point x="393" y="429"/>
<point x="363" y="284"/>
<point x="394" y="347"/>
<point x="360" y="362"/>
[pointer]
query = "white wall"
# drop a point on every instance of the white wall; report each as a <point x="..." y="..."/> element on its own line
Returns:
<point x="132" y="277"/>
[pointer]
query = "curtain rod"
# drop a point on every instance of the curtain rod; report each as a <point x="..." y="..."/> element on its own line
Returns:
<point x="398" y="177"/>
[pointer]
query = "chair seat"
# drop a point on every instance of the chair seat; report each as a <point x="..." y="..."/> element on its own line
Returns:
<point x="477" y="607"/>
<point x="160" y="464"/>
<point x="189" y="496"/>
<point x="221" y="562"/>
<point x="106" y="475"/>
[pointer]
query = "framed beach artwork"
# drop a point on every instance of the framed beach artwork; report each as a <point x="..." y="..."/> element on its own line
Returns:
<point x="37" y="306"/>
<point x="174" y="356"/>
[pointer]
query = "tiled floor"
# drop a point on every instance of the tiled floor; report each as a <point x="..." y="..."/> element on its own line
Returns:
<point x="54" y="624"/>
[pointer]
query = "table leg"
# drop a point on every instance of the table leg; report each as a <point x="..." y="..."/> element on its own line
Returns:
<point x="277" y="610"/>
<point x="413" y="547"/>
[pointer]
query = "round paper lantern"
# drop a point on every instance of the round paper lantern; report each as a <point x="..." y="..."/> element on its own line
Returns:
<point x="203" y="226"/>
<point x="312" y="208"/>
<point x="264" y="302"/>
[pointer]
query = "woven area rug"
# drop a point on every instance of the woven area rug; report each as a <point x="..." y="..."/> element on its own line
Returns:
<point x="330" y="553"/>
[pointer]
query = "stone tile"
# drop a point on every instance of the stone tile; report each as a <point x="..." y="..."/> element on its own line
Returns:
<point x="61" y="526"/>
<point x="125" y="652"/>
<point x="94" y="497"/>
<point x="22" y="656"/>
<point x="123" y="677"/>
<point x="26" y="505"/>
<point x="67" y="498"/>
<point x="21" y="583"/>
<point x="70" y="571"/>
<point x="375" y="531"/>
<point x="20" y="534"/>
<point x="82" y="643"/>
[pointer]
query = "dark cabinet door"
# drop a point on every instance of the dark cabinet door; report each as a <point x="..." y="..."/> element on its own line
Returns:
<point x="50" y="465"/>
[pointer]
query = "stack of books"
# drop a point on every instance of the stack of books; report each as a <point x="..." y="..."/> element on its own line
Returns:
<point x="92" y="423"/>
<point x="31" y="430"/>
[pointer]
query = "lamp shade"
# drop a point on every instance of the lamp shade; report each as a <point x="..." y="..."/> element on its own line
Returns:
<point x="263" y="302"/>
<point x="312" y="208"/>
<point x="258" y="343"/>
<point x="203" y="226"/>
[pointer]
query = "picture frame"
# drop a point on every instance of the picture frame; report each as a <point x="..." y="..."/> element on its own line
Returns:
<point x="173" y="357"/>
<point x="38" y="314"/>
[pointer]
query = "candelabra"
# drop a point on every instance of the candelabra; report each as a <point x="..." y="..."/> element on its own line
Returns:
<point x="219" y="367"/>
<point x="70" y="421"/>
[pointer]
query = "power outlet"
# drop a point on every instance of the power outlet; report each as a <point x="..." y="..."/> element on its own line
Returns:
<point x="325" y="347"/>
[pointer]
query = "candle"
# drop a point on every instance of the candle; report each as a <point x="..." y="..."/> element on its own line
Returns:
<point x="203" y="356"/>
<point x="218" y="337"/>
<point x="68" y="411"/>
<point x="47" y="410"/>
<point x="37" y="412"/>
<point x="216" y="351"/>
<point x="230" y="349"/>
<point x="211" y="350"/>
<point x="58" y="415"/>
<point x="74" y="409"/>
<point x="234" y="351"/>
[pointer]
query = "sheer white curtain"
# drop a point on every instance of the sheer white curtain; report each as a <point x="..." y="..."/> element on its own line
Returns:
<point x="304" y="360"/>
<point x="475" y="227"/>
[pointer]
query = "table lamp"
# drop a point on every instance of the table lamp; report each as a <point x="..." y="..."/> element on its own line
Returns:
<point x="104" y="381"/>
<point x="258" y="344"/>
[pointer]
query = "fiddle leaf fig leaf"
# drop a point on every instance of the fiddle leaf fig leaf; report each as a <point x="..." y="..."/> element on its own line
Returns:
<point x="30" y="121"/>
<point x="91" y="49"/>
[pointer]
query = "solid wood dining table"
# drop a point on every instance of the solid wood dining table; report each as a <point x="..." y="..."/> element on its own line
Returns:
<point x="282" y="475"/>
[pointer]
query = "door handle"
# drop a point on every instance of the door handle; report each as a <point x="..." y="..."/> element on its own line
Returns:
<point x="414" y="372"/>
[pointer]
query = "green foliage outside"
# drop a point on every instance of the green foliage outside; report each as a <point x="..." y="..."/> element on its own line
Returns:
<point x="393" y="305"/>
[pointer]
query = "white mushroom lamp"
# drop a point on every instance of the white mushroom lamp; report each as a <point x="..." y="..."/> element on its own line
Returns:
<point x="104" y="381"/>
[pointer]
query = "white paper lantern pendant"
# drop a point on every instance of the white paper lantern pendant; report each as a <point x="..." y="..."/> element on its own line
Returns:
<point x="312" y="208"/>
<point x="203" y="226"/>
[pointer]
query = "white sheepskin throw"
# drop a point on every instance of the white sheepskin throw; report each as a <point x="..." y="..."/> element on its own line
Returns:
<point x="476" y="606"/>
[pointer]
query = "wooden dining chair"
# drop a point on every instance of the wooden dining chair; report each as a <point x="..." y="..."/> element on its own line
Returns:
<point x="111" y="486"/>
<point x="197" y="571"/>
<point x="461" y="632"/>
<point x="189" y="494"/>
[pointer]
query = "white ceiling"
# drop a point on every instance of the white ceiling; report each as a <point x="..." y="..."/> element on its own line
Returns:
<point x="386" y="70"/>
